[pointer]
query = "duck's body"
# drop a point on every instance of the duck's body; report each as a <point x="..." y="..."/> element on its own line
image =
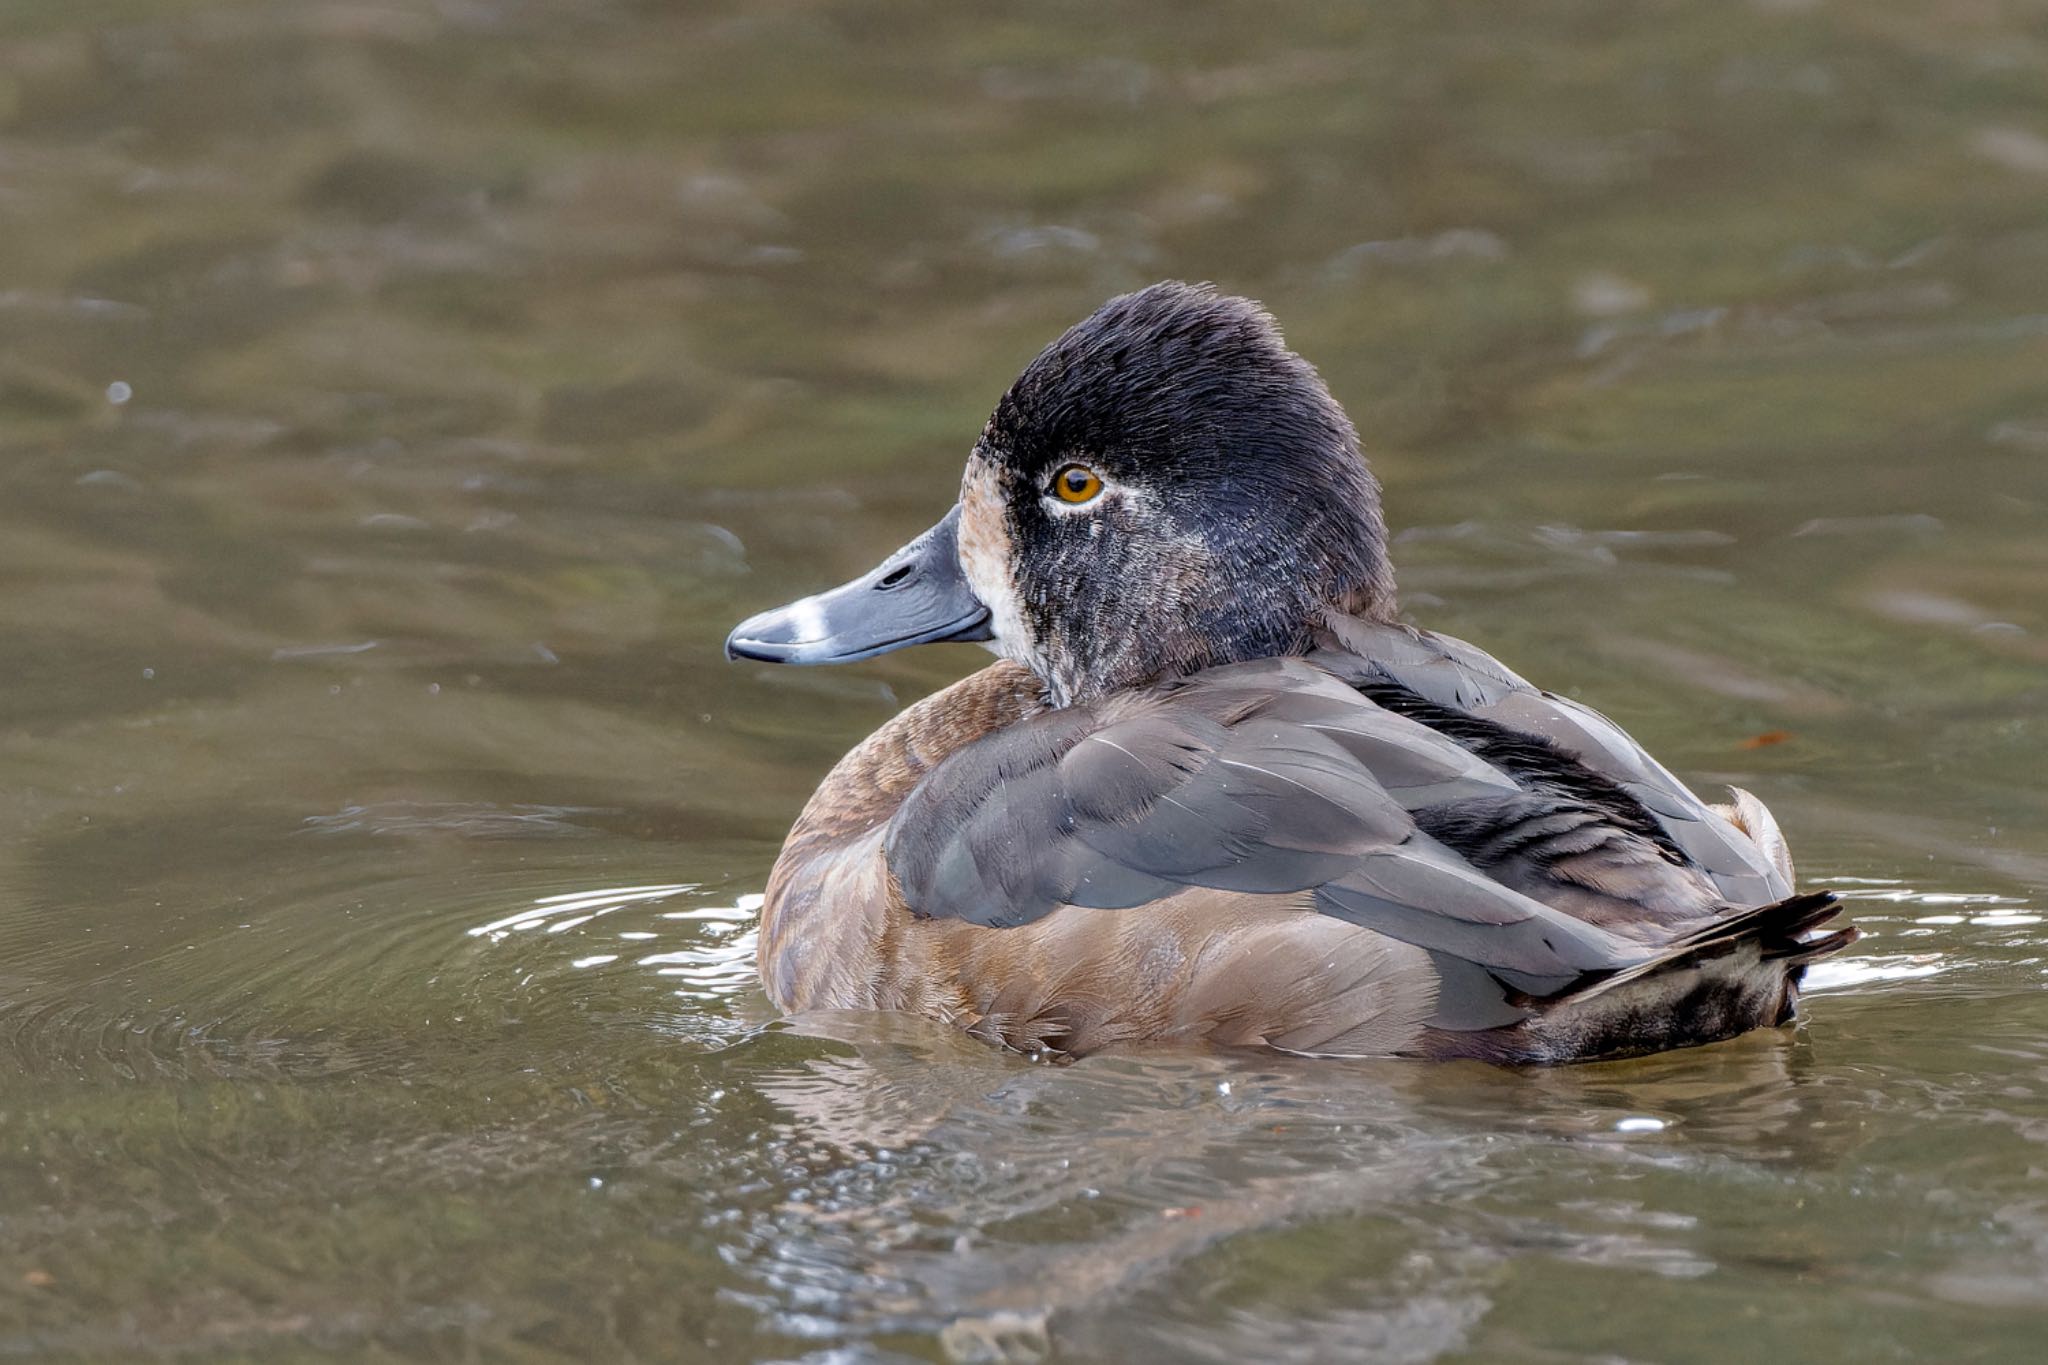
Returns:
<point x="1260" y="813"/>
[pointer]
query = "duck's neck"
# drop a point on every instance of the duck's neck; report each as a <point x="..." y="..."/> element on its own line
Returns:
<point x="1103" y="662"/>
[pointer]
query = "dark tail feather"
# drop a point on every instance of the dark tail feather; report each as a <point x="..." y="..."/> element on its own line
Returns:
<point x="1737" y="974"/>
<point x="1797" y="944"/>
<point x="1783" y="929"/>
<point x="1781" y="932"/>
<point x="1814" y="949"/>
<point x="1725" y="979"/>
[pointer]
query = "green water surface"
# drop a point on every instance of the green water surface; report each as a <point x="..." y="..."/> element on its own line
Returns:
<point x="400" y="398"/>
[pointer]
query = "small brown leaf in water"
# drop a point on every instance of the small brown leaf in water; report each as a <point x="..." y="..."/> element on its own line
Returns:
<point x="1766" y="739"/>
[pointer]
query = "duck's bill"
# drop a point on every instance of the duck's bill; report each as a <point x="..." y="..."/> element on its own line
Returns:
<point x="917" y="596"/>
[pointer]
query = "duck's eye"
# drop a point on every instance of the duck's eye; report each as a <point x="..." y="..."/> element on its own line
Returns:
<point x="1076" y="484"/>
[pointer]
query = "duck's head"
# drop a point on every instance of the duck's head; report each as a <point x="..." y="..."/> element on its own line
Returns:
<point x="1164" y="488"/>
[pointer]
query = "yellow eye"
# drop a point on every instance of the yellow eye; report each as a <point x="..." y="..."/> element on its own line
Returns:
<point x="1076" y="484"/>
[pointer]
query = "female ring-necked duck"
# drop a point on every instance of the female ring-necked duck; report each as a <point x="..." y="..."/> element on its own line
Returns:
<point x="1215" y="790"/>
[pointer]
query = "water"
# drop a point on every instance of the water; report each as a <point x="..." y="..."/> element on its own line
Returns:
<point x="399" y="400"/>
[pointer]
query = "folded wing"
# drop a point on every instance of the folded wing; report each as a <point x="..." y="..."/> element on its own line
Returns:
<point x="1277" y="777"/>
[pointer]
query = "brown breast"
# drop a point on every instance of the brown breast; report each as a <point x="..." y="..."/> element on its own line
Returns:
<point x="831" y="904"/>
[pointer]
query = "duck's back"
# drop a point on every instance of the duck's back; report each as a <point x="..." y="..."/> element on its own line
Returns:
<point x="1392" y="845"/>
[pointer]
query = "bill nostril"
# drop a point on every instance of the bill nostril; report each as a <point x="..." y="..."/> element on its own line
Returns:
<point x="894" y="576"/>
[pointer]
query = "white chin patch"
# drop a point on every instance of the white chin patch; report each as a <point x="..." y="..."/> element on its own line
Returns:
<point x="985" y="559"/>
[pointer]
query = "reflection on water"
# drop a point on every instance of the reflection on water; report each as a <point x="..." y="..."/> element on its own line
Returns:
<point x="398" y="401"/>
<point x="719" y="965"/>
<point x="560" y="913"/>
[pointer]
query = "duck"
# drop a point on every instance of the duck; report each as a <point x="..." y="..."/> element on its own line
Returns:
<point x="1215" y="791"/>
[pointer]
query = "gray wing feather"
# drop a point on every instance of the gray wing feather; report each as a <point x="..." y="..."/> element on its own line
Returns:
<point x="1741" y="871"/>
<point x="1258" y="806"/>
<point x="1425" y="895"/>
<point x="1450" y="672"/>
<point x="1268" y="778"/>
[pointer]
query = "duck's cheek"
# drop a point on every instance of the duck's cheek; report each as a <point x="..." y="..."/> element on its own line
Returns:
<point x="986" y="558"/>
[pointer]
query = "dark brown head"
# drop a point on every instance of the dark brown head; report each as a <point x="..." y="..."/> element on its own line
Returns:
<point x="1165" y="487"/>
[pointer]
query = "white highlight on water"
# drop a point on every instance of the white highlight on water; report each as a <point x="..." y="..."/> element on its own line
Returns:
<point x="579" y="906"/>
